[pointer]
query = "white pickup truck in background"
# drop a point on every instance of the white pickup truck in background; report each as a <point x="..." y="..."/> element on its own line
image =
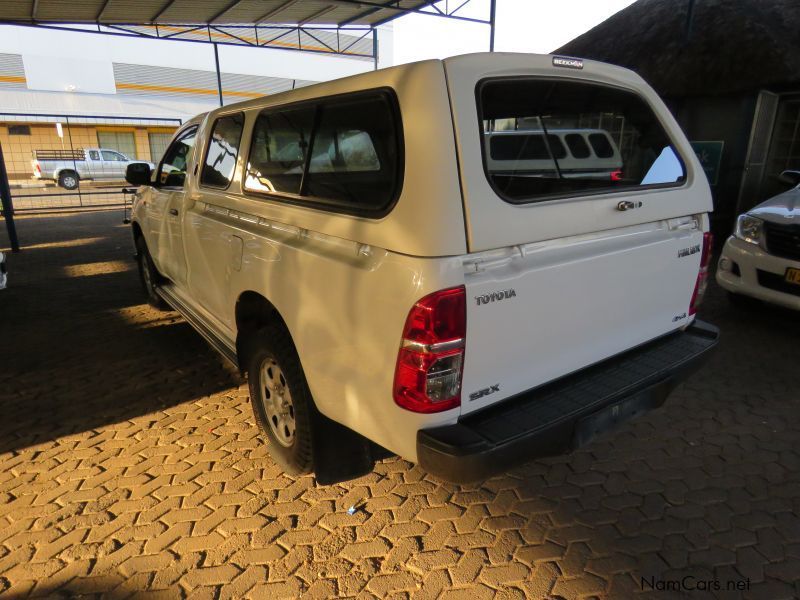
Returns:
<point x="68" y="167"/>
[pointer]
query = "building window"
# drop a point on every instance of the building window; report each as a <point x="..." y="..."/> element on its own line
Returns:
<point x="121" y="141"/>
<point x="19" y="130"/>
<point x="158" y="144"/>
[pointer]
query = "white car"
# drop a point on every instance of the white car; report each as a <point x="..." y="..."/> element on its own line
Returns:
<point x="762" y="257"/>
<point x="69" y="167"/>
<point x="385" y="287"/>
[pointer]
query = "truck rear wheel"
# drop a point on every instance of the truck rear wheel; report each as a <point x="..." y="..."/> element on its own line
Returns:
<point x="68" y="180"/>
<point x="282" y="402"/>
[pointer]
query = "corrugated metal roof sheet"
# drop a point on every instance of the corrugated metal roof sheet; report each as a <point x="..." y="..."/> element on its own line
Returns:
<point x="355" y="45"/>
<point x="147" y="80"/>
<point x="205" y="12"/>
<point x="12" y="71"/>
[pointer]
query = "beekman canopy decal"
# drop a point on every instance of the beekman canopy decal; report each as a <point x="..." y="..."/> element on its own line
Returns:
<point x="569" y="63"/>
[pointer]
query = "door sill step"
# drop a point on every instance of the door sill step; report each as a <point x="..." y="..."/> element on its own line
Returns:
<point x="213" y="337"/>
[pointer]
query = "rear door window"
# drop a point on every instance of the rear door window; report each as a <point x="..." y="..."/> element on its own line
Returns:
<point x="526" y="123"/>
<point x="223" y="150"/>
<point x="343" y="154"/>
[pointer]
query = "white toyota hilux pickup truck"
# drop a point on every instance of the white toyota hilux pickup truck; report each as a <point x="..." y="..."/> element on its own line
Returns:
<point x="386" y="286"/>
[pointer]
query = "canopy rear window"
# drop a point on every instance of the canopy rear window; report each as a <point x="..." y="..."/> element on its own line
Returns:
<point x="545" y="138"/>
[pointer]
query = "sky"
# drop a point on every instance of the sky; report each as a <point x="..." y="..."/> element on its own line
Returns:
<point x="538" y="26"/>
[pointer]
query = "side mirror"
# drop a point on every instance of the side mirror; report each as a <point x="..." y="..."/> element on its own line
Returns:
<point x="791" y="177"/>
<point x="138" y="173"/>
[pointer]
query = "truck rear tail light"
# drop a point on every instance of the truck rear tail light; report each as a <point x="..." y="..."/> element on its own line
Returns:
<point x="702" y="275"/>
<point x="431" y="357"/>
<point x="616" y="175"/>
<point x="38" y="168"/>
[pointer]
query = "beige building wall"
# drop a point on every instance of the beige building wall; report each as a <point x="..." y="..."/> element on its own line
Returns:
<point x="18" y="149"/>
<point x="142" y="144"/>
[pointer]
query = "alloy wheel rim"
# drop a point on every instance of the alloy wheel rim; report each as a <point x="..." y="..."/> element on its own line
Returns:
<point x="277" y="402"/>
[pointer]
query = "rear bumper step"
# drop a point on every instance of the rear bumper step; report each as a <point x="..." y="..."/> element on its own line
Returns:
<point x="566" y="413"/>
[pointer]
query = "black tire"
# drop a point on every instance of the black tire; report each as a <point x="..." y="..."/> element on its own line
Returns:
<point x="270" y="350"/>
<point x="149" y="275"/>
<point x="68" y="180"/>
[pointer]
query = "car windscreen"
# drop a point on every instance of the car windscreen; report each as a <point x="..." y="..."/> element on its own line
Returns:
<point x="546" y="138"/>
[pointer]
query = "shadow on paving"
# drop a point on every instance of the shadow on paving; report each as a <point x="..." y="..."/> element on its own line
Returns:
<point x="708" y="486"/>
<point x="79" y="348"/>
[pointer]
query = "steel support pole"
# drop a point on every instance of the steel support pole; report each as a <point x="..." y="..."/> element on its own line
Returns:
<point x="375" y="48"/>
<point x="8" y="204"/>
<point x="74" y="163"/>
<point x="219" y="76"/>
<point x="492" y="13"/>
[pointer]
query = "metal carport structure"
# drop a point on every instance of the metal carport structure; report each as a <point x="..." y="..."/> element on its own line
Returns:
<point x="337" y="27"/>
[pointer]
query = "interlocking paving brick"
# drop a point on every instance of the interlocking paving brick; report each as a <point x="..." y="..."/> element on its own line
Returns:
<point x="130" y="464"/>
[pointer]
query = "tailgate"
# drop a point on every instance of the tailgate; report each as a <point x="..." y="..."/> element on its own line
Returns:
<point x="539" y="311"/>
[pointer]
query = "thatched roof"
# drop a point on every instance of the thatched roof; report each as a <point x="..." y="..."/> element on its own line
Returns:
<point x="733" y="45"/>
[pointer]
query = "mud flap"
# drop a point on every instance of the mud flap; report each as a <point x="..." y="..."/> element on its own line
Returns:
<point x="340" y="454"/>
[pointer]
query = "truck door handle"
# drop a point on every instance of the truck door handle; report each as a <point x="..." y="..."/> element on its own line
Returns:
<point x="173" y="212"/>
<point x="628" y="205"/>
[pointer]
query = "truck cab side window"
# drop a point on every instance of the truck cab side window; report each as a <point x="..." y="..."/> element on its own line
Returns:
<point x="94" y="155"/>
<point x="172" y="171"/>
<point x="223" y="150"/>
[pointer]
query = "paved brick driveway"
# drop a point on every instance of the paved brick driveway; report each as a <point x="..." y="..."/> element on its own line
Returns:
<point x="130" y="464"/>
